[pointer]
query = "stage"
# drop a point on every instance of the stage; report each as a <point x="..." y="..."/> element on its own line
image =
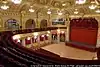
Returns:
<point x="69" y="52"/>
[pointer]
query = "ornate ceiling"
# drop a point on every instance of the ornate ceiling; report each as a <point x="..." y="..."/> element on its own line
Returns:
<point x="54" y="5"/>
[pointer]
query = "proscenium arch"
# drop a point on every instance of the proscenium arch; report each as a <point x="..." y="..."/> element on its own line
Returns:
<point x="30" y="24"/>
<point x="43" y="23"/>
<point x="11" y="24"/>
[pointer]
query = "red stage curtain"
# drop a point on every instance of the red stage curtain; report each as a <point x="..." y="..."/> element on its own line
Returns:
<point x="84" y="35"/>
<point x="84" y="31"/>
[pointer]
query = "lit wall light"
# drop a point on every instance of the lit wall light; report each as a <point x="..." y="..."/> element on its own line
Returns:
<point x="18" y="41"/>
<point x="35" y="34"/>
<point x="58" y="30"/>
<point x="42" y="36"/>
<point x="28" y="38"/>
<point x="16" y="1"/>
<point x="48" y="31"/>
<point x="16" y="37"/>
<point x="47" y="34"/>
<point x="62" y="32"/>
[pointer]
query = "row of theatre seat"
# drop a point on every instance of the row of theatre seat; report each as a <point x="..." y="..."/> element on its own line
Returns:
<point x="26" y="58"/>
<point x="12" y="55"/>
<point x="23" y="56"/>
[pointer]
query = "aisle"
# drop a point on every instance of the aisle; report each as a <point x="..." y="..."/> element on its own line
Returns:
<point x="69" y="52"/>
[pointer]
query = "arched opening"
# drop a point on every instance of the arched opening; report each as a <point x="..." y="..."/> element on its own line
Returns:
<point x="43" y="23"/>
<point x="11" y="24"/>
<point x="30" y="24"/>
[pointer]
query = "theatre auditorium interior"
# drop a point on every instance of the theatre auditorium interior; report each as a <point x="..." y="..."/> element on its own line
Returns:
<point x="49" y="32"/>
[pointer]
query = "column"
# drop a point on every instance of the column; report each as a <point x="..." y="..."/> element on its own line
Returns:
<point x="98" y="38"/>
<point x="68" y="29"/>
<point x="58" y="38"/>
<point x="50" y="37"/>
<point x="23" y="42"/>
<point x="22" y="24"/>
<point x="31" y="42"/>
<point x="58" y="35"/>
<point x="49" y="17"/>
<point x="37" y="21"/>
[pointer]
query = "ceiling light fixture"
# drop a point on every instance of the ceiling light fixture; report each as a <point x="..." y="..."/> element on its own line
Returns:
<point x="80" y="1"/>
<point x="59" y="12"/>
<point x="97" y="11"/>
<point x="76" y="11"/>
<point x="16" y="1"/>
<point x="48" y="12"/>
<point x="93" y="5"/>
<point x="63" y="4"/>
<point x="4" y="6"/>
<point x="31" y="9"/>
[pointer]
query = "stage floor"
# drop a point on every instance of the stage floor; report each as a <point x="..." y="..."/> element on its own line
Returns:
<point x="69" y="52"/>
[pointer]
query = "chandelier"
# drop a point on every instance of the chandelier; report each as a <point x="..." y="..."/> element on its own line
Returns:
<point x="97" y="11"/>
<point x="80" y="1"/>
<point x="59" y="12"/>
<point x="76" y="11"/>
<point x="48" y="12"/>
<point x="93" y="5"/>
<point x="4" y="6"/>
<point x="16" y="1"/>
<point x="31" y="9"/>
